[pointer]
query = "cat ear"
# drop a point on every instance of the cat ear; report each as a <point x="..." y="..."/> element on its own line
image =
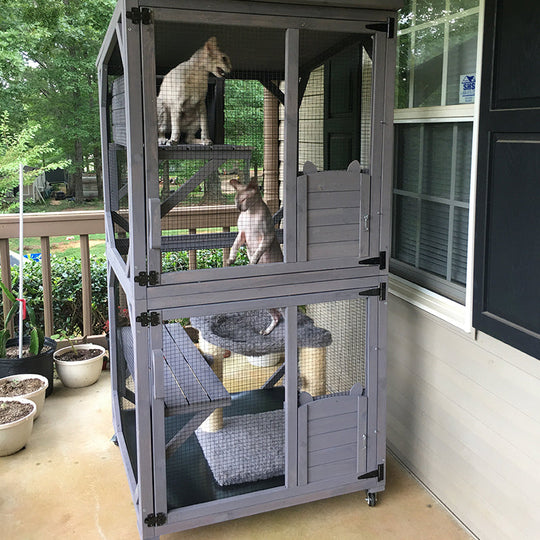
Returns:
<point x="235" y="183"/>
<point x="253" y="184"/>
<point x="211" y="44"/>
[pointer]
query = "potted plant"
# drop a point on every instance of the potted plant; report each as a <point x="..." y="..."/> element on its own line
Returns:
<point x="29" y="386"/>
<point x="16" y="423"/>
<point x="38" y="350"/>
<point x="79" y="365"/>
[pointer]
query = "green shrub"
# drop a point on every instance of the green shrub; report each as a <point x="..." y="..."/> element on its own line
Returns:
<point x="66" y="292"/>
<point x="67" y="286"/>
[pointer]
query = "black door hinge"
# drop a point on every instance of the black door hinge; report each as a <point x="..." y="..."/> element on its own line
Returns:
<point x="389" y="27"/>
<point x="139" y="15"/>
<point x="380" y="260"/>
<point x="156" y="520"/>
<point x="379" y="291"/>
<point x="378" y="474"/>
<point x="144" y="279"/>
<point x="148" y="318"/>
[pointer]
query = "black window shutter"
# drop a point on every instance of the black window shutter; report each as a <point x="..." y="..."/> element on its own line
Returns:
<point x="507" y="240"/>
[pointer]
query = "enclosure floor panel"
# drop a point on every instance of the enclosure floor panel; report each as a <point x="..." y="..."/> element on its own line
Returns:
<point x="189" y="477"/>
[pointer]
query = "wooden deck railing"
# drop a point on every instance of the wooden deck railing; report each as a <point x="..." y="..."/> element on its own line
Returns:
<point x="45" y="226"/>
<point x="83" y="224"/>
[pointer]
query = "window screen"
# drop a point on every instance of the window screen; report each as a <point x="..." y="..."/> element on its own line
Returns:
<point x="431" y="205"/>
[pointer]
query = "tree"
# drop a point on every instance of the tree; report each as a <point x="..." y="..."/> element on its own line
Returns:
<point x="20" y="148"/>
<point x="47" y="68"/>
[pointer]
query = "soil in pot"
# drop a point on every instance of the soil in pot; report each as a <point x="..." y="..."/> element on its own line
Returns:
<point x="13" y="352"/>
<point x="13" y="410"/>
<point x="79" y="354"/>
<point x="19" y="387"/>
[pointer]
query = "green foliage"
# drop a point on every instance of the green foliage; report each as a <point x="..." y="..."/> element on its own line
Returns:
<point x="206" y="258"/>
<point x="67" y="295"/>
<point x="17" y="148"/>
<point x="37" y="335"/>
<point x="48" y="76"/>
<point x="67" y="287"/>
<point x="244" y="116"/>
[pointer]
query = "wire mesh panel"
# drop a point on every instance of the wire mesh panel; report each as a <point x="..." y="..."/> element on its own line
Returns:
<point x="117" y="160"/>
<point x="213" y="107"/>
<point x="336" y="368"/>
<point x="225" y="424"/>
<point x="124" y="359"/>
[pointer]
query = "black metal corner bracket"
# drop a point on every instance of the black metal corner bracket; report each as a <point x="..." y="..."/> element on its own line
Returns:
<point x="144" y="279"/>
<point x="378" y="474"/>
<point x="380" y="260"/>
<point x="389" y="27"/>
<point x="140" y="15"/>
<point x="148" y="318"/>
<point x="155" y="520"/>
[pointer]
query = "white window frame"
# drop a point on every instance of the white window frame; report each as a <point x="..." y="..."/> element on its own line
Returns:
<point x="443" y="308"/>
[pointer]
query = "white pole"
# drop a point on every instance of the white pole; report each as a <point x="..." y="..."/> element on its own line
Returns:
<point x="21" y="256"/>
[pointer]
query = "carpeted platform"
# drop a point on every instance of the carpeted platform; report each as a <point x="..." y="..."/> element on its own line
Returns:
<point x="239" y="332"/>
<point x="250" y="447"/>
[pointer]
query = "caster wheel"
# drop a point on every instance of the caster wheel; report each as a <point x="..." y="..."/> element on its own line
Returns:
<point x="371" y="499"/>
<point x="114" y="440"/>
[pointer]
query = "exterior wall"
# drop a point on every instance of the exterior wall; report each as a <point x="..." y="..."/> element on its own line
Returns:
<point x="464" y="416"/>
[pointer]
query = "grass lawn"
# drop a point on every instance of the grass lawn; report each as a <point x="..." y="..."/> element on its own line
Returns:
<point x="62" y="245"/>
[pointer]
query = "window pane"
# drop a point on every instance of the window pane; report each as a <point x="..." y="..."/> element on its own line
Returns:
<point x="408" y="148"/>
<point x="428" y="65"/>
<point x="434" y="238"/>
<point x="437" y="159"/>
<point x="405" y="19"/>
<point x="461" y="57"/>
<point x="405" y="227"/>
<point x="463" y="162"/>
<point x="429" y="10"/>
<point x="403" y="71"/>
<point x="459" y="247"/>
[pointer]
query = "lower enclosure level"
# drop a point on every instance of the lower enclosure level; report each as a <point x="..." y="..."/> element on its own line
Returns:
<point x="240" y="423"/>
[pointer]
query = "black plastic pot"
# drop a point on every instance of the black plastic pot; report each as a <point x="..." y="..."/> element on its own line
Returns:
<point x="42" y="363"/>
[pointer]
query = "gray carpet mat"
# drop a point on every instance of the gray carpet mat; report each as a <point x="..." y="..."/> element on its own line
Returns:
<point x="250" y="447"/>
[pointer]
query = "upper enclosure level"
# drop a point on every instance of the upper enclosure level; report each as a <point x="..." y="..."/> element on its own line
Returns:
<point x="198" y="99"/>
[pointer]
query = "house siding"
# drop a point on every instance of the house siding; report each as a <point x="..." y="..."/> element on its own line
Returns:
<point x="464" y="416"/>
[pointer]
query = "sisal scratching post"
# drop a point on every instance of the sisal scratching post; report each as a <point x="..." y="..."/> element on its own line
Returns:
<point x="215" y="421"/>
<point x="312" y="366"/>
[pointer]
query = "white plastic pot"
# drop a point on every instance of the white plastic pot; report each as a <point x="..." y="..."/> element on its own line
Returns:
<point x="79" y="373"/>
<point x="38" y="396"/>
<point x="15" y="435"/>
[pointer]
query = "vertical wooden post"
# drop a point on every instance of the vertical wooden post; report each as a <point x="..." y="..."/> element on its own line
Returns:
<point x="192" y="254"/>
<point x="271" y="151"/>
<point x="47" y="285"/>
<point x="226" y="251"/>
<point x="86" y="285"/>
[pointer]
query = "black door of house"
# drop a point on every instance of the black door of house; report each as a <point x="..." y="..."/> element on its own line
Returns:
<point x="507" y="254"/>
<point x="342" y="83"/>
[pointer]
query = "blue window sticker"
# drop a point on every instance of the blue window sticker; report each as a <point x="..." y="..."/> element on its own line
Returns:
<point x="467" y="87"/>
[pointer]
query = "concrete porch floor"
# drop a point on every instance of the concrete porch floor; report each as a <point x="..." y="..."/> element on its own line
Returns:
<point x="69" y="482"/>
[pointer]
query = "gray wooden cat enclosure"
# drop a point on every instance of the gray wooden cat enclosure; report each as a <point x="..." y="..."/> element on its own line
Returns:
<point x="214" y="420"/>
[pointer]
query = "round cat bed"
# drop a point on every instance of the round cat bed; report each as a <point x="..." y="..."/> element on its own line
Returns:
<point x="239" y="332"/>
